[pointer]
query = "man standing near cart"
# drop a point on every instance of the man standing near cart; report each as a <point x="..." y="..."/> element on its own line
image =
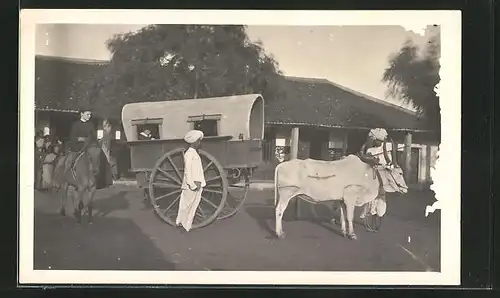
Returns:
<point x="192" y="182"/>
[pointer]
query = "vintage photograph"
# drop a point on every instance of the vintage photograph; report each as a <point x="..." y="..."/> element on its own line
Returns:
<point x="236" y="147"/>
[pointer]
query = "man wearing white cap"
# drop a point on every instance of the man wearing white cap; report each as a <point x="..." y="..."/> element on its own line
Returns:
<point x="192" y="182"/>
<point x="374" y="152"/>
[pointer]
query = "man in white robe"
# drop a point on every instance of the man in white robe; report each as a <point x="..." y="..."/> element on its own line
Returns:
<point x="377" y="146"/>
<point x="193" y="181"/>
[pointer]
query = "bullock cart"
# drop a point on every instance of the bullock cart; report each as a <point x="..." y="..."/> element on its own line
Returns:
<point x="231" y="150"/>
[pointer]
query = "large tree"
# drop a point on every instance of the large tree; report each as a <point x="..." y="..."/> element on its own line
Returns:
<point x="412" y="75"/>
<point x="172" y="62"/>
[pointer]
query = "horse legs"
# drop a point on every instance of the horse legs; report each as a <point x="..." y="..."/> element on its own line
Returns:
<point x="89" y="203"/>
<point x="79" y="205"/>
<point x="64" y="197"/>
<point x="284" y="198"/>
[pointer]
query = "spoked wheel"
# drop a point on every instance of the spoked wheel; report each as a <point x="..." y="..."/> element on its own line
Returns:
<point x="165" y="188"/>
<point x="236" y="196"/>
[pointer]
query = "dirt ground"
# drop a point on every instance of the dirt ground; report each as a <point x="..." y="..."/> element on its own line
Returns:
<point x="126" y="235"/>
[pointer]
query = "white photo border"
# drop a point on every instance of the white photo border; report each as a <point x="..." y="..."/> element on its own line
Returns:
<point x="446" y="176"/>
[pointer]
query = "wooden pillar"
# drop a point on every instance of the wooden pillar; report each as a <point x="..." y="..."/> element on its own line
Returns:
<point x="344" y="143"/>
<point x="294" y="143"/>
<point x="407" y="154"/>
<point x="428" y="162"/>
<point x="272" y="139"/>
<point x="294" y="149"/>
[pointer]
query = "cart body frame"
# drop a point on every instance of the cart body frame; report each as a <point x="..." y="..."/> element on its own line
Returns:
<point x="235" y="149"/>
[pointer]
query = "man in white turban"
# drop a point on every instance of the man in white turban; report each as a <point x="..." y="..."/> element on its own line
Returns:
<point x="192" y="182"/>
<point x="379" y="134"/>
<point x="374" y="152"/>
<point x="376" y="140"/>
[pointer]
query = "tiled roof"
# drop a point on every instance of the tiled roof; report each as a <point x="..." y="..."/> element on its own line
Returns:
<point x="56" y="81"/>
<point x="308" y="102"/>
<point x="319" y="102"/>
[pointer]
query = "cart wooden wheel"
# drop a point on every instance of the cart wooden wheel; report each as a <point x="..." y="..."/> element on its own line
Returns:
<point x="236" y="196"/>
<point x="165" y="188"/>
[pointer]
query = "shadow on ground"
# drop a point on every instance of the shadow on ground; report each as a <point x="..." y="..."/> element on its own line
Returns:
<point x="411" y="206"/>
<point x="108" y="244"/>
<point x="407" y="208"/>
<point x="105" y="206"/>
<point x="319" y="214"/>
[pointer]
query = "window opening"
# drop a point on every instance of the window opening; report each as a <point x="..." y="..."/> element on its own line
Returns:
<point x="208" y="124"/>
<point x="148" y="131"/>
<point x="208" y="127"/>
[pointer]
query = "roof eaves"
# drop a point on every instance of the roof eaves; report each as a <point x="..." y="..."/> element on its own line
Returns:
<point x="74" y="60"/>
<point x="373" y="99"/>
<point x="55" y="110"/>
<point x="291" y="123"/>
<point x="307" y="80"/>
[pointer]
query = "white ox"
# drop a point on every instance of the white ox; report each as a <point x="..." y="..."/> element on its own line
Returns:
<point x="350" y="180"/>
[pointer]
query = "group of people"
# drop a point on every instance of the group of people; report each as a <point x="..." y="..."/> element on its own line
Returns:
<point x="83" y="137"/>
<point x="48" y="150"/>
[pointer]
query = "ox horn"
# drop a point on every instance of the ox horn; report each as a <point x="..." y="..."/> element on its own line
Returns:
<point x="394" y="153"/>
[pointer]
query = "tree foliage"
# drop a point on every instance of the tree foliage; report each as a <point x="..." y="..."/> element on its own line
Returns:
<point x="412" y="75"/>
<point x="172" y="62"/>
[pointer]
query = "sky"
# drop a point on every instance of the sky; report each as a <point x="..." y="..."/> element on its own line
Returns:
<point x="352" y="56"/>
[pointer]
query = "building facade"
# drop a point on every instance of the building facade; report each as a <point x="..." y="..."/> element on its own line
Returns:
<point x="58" y="95"/>
<point x="331" y="121"/>
<point x="316" y="119"/>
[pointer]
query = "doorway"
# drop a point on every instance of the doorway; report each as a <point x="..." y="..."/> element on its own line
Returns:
<point x="355" y="139"/>
<point x="319" y="143"/>
<point x="62" y="122"/>
<point x="414" y="164"/>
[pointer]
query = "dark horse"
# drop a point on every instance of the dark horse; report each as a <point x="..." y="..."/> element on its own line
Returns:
<point x="80" y="170"/>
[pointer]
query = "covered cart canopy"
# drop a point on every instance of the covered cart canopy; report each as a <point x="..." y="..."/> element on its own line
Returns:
<point x="238" y="116"/>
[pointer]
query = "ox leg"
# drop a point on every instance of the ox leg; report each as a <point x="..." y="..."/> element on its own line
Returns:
<point x="284" y="199"/>
<point x="365" y="210"/>
<point x="342" y="219"/>
<point x="350" y="217"/>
